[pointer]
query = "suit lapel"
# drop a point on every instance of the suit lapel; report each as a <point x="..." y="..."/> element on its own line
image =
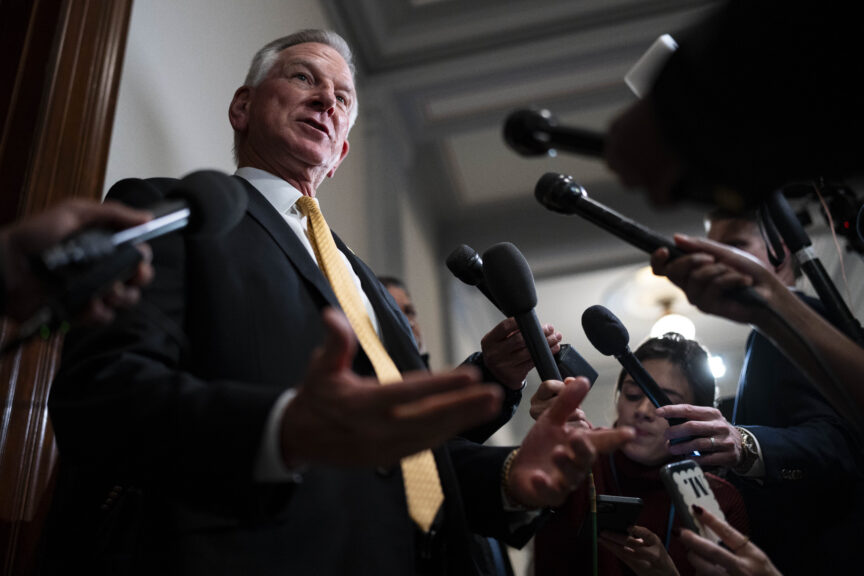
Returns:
<point x="395" y="331"/>
<point x="263" y="212"/>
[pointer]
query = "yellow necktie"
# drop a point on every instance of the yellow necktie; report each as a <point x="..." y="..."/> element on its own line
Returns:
<point x="422" y="485"/>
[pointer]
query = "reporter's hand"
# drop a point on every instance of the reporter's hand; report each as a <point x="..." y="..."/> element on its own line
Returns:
<point x="641" y="550"/>
<point x="545" y="396"/>
<point x="740" y="557"/>
<point x="709" y="270"/>
<point x="704" y="424"/>
<point x="506" y="355"/>
<point x="21" y="241"/>
<point x="555" y="457"/>
<point x="338" y="417"/>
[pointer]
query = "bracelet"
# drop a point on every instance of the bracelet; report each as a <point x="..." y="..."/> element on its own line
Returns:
<point x="505" y="479"/>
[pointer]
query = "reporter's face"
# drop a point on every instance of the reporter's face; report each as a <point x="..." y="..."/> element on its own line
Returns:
<point x="741" y="234"/>
<point x="634" y="409"/>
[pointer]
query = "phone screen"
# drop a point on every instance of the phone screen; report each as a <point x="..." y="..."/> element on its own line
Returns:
<point x="688" y="485"/>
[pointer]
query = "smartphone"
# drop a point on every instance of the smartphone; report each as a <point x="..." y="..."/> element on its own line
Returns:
<point x="687" y="485"/>
<point x="617" y="513"/>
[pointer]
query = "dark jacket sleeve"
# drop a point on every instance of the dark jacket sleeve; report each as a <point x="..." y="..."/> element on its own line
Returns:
<point x="511" y="401"/>
<point x="127" y="389"/>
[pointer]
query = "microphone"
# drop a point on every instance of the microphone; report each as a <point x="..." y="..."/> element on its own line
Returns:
<point x="536" y="133"/>
<point x="512" y="285"/>
<point x="467" y="265"/>
<point x="560" y="193"/>
<point x="204" y="203"/>
<point x="609" y="336"/>
<point x="799" y="244"/>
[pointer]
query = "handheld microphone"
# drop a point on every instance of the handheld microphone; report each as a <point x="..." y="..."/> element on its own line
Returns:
<point x="609" y="336"/>
<point x="467" y="265"/>
<point x="204" y="203"/>
<point x="512" y="285"/>
<point x="560" y="193"/>
<point x="536" y="133"/>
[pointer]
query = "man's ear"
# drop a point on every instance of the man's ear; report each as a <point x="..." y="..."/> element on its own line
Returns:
<point x="339" y="161"/>
<point x="238" y="111"/>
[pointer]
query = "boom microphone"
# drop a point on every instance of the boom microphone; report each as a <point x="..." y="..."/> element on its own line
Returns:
<point x="512" y="285"/>
<point x="537" y="133"/>
<point x="609" y="336"/>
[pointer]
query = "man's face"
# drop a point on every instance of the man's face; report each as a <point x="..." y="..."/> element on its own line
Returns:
<point x="295" y="122"/>
<point x="403" y="300"/>
<point x="741" y="234"/>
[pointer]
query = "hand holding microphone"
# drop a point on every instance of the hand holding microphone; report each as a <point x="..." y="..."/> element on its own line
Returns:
<point x="511" y="284"/>
<point x="609" y="336"/>
<point x="467" y="265"/>
<point x="89" y="265"/>
<point x="26" y="289"/>
<point x="561" y="194"/>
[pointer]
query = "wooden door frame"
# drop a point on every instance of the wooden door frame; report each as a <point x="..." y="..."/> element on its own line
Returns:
<point x="60" y="67"/>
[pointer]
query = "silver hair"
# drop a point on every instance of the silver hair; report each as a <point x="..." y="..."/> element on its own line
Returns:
<point x="264" y="59"/>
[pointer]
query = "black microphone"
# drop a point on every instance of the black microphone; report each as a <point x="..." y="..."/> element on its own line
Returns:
<point x="798" y="242"/>
<point x="204" y="203"/>
<point x="560" y="193"/>
<point x="536" y="133"/>
<point x="512" y="285"/>
<point x="467" y="265"/>
<point x="609" y="336"/>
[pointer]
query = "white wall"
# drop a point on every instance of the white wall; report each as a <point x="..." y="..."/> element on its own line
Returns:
<point x="184" y="60"/>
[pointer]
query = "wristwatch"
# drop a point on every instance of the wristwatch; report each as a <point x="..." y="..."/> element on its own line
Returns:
<point x="749" y="451"/>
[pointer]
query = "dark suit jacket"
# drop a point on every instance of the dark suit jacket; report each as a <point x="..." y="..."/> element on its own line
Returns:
<point x="160" y="416"/>
<point x="808" y="511"/>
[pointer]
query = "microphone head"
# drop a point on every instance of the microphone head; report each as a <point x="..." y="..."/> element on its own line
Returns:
<point x="216" y="201"/>
<point x="509" y="279"/>
<point x="559" y="192"/>
<point x="465" y="263"/>
<point x="526" y="131"/>
<point x="605" y="331"/>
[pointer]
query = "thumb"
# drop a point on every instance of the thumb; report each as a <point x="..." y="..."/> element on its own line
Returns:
<point x="568" y="400"/>
<point x="339" y="347"/>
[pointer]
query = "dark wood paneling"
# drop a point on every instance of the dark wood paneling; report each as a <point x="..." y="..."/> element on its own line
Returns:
<point x="63" y="60"/>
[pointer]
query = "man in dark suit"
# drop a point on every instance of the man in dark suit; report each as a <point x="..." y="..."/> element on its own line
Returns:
<point x="786" y="446"/>
<point x="230" y="425"/>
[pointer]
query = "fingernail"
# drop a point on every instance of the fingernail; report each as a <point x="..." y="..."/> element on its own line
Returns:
<point x="698" y="510"/>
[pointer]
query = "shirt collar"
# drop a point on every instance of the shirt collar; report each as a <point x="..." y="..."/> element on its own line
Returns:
<point x="282" y="195"/>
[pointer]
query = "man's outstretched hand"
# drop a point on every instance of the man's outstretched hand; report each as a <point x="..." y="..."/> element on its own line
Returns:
<point x="339" y="417"/>
<point x="556" y="456"/>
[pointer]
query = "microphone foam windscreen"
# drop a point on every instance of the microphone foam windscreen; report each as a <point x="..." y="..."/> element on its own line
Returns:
<point x="465" y="263"/>
<point x="509" y="279"/>
<point x="217" y="201"/>
<point x="605" y="331"/>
